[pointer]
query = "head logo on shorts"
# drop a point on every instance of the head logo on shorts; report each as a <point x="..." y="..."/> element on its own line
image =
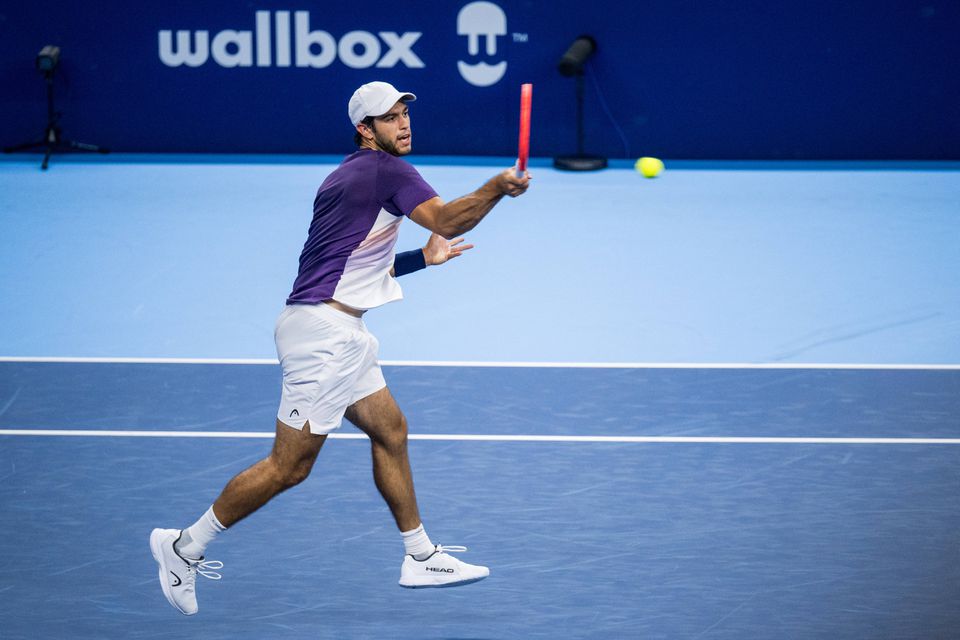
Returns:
<point x="294" y="413"/>
<point x="482" y="22"/>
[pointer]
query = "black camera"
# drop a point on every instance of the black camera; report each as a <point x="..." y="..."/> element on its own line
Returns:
<point x="48" y="58"/>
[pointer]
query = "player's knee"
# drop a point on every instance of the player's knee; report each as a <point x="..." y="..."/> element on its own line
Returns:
<point x="293" y="473"/>
<point x="395" y="437"/>
<point x="295" y="476"/>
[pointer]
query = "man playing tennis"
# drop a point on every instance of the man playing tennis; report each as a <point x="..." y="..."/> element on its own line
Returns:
<point x="329" y="359"/>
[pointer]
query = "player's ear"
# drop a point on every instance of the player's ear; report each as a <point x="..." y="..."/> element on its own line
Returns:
<point x="365" y="131"/>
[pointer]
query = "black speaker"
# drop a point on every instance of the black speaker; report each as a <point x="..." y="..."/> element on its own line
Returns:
<point x="573" y="64"/>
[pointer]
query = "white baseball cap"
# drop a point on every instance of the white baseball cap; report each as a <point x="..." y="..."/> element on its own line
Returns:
<point x="375" y="99"/>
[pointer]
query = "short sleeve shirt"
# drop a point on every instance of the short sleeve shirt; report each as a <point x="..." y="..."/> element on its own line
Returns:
<point x="356" y="219"/>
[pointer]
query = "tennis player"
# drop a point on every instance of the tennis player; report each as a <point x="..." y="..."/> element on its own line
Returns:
<point x="329" y="359"/>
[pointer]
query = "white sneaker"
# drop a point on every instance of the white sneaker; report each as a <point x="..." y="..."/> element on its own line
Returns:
<point x="178" y="575"/>
<point x="439" y="570"/>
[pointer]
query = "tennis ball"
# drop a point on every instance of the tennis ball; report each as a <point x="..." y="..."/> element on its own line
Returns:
<point x="649" y="167"/>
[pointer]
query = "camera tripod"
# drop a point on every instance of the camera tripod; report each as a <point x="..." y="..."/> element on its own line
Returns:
<point x="52" y="138"/>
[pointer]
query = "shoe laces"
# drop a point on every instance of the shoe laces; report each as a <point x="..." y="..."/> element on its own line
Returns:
<point x="205" y="568"/>
<point x="453" y="548"/>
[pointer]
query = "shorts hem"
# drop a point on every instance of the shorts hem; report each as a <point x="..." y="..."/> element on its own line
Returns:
<point x="367" y="393"/>
<point x="321" y="430"/>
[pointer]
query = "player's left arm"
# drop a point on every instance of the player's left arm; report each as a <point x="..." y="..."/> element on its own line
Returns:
<point x="438" y="250"/>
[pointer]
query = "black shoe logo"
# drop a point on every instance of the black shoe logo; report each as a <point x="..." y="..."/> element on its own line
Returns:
<point x="294" y="413"/>
<point x="440" y="569"/>
<point x="177" y="578"/>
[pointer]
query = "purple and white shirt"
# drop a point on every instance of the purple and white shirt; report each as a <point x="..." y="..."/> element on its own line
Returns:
<point x="356" y="219"/>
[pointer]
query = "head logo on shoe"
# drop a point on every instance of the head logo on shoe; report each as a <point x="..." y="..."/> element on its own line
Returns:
<point x="177" y="578"/>
<point x="440" y="569"/>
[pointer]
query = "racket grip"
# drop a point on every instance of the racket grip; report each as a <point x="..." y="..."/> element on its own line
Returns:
<point x="526" y="100"/>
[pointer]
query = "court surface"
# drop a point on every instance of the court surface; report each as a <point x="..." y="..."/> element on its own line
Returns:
<point x="721" y="404"/>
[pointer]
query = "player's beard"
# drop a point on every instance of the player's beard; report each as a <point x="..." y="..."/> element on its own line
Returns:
<point x="390" y="146"/>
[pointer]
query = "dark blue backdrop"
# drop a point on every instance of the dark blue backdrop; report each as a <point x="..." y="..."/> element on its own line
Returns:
<point x="816" y="79"/>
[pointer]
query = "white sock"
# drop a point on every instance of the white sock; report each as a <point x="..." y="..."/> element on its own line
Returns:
<point x="417" y="543"/>
<point x="194" y="540"/>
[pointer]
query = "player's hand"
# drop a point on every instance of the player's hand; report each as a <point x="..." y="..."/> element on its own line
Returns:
<point x="438" y="249"/>
<point x="510" y="185"/>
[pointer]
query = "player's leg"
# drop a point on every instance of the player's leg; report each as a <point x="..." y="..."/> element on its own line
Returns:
<point x="380" y="418"/>
<point x="289" y="463"/>
<point x="424" y="564"/>
<point x="314" y="352"/>
<point x="179" y="553"/>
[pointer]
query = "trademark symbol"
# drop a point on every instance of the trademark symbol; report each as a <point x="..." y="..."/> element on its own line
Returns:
<point x="521" y="37"/>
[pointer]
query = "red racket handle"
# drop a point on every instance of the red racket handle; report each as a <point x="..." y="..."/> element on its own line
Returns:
<point x="526" y="103"/>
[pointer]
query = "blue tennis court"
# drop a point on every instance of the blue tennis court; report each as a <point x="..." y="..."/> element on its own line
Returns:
<point x="722" y="404"/>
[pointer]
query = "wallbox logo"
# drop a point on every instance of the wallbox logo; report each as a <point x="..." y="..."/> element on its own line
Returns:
<point x="273" y="46"/>
<point x="278" y="41"/>
<point x="482" y="21"/>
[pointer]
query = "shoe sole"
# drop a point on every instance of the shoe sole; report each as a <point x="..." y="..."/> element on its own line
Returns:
<point x="162" y="572"/>
<point x="443" y="586"/>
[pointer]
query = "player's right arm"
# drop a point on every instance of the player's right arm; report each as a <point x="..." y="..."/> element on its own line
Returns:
<point x="458" y="216"/>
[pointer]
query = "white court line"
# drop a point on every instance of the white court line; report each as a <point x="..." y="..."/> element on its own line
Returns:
<point x="469" y="363"/>
<point x="488" y="437"/>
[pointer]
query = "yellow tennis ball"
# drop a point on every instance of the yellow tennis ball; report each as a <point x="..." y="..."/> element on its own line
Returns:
<point x="649" y="167"/>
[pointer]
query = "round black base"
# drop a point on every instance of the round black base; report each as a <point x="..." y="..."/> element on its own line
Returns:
<point x="580" y="163"/>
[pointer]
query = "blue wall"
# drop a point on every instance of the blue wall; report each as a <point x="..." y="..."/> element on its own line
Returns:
<point x="814" y="79"/>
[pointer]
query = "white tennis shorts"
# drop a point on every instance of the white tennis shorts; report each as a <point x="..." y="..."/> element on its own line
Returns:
<point x="329" y="361"/>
